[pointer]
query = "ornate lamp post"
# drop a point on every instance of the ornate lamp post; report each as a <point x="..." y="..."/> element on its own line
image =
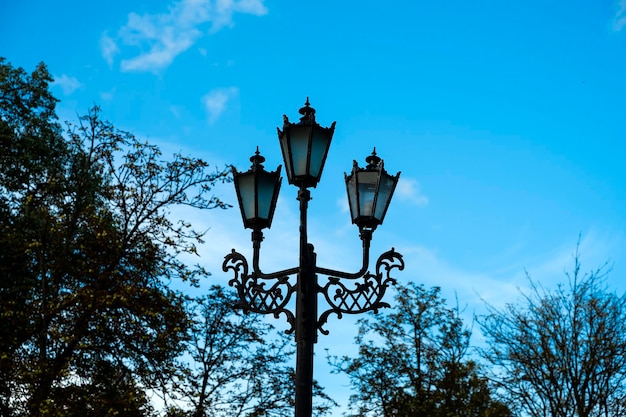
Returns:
<point x="304" y="147"/>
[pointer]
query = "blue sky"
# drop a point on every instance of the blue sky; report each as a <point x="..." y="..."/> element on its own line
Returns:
<point x="505" y="118"/>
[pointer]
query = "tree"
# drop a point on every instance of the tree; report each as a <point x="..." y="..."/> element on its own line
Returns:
<point x="237" y="364"/>
<point x="561" y="353"/>
<point x="88" y="248"/>
<point x="412" y="361"/>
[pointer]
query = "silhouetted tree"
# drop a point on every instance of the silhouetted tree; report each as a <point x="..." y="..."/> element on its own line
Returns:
<point x="236" y="365"/>
<point x="412" y="361"/>
<point x="563" y="352"/>
<point x="88" y="247"/>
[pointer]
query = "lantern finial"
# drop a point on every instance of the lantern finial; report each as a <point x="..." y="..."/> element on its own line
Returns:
<point x="307" y="112"/>
<point x="373" y="160"/>
<point x="257" y="160"/>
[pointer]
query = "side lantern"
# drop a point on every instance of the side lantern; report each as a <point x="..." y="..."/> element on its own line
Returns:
<point x="257" y="192"/>
<point x="369" y="192"/>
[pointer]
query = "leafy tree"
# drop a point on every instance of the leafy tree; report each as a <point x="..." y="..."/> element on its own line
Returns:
<point x="238" y="365"/>
<point x="412" y="361"/>
<point x="88" y="248"/>
<point x="562" y="352"/>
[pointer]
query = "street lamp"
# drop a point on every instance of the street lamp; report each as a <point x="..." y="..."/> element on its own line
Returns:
<point x="304" y="147"/>
<point x="257" y="191"/>
<point x="369" y="192"/>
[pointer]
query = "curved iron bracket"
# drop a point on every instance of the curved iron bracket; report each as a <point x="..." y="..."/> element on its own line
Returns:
<point x="367" y="294"/>
<point x="253" y="294"/>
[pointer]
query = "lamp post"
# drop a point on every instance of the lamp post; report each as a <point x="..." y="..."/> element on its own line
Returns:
<point x="304" y="147"/>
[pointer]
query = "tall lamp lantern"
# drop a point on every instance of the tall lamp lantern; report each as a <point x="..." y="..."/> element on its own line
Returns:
<point x="305" y="146"/>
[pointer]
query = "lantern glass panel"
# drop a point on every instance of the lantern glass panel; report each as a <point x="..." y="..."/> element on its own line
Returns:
<point x="387" y="185"/>
<point x="248" y="197"/>
<point x="320" y="142"/>
<point x="265" y="193"/>
<point x="299" y="136"/>
<point x="367" y="192"/>
<point x="352" y="196"/>
<point x="284" y="146"/>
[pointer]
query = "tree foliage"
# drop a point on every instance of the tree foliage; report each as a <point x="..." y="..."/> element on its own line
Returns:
<point x="562" y="353"/>
<point x="412" y="361"/>
<point x="238" y="365"/>
<point x="88" y="249"/>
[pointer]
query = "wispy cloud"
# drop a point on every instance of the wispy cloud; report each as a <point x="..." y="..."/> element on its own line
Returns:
<point x="107" y="95"/>
<point x="499" y="284"/>
<point x="67" y="84"/>
<point x="215" y="101"/>
<point x="109" y="48"/>
<point x="619" y="20"/>
<point x="160" y="38"/>
<point x="408" y="189"/>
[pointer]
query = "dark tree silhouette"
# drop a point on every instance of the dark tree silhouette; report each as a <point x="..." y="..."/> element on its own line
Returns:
<point x="561" y="353"/>
<point x="412" y="361"/>
<point x="237" y="365"/>
<point x="87" y="249"/>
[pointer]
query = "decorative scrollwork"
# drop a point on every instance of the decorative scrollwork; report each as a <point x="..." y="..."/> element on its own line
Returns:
<point x="367" y="294"/>
<point x="253" y="294"/>
<point x="389" y="260"/>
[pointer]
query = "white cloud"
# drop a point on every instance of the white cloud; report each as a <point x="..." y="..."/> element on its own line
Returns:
<point x="167" y="39"/>
<point x="176" y="111"/>
<point x="107" y="95"/>
<point x="215" y="101"/>
<point x="224" y="10"/>
<point x="162" y="37"/>
<point x="408" y="190"/>
<point x="67" y="84"/>
<point x="109" y="48"/>
<point x="620" y="17"/>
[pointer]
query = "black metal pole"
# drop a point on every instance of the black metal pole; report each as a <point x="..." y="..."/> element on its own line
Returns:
<point x="306" y="315"/>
